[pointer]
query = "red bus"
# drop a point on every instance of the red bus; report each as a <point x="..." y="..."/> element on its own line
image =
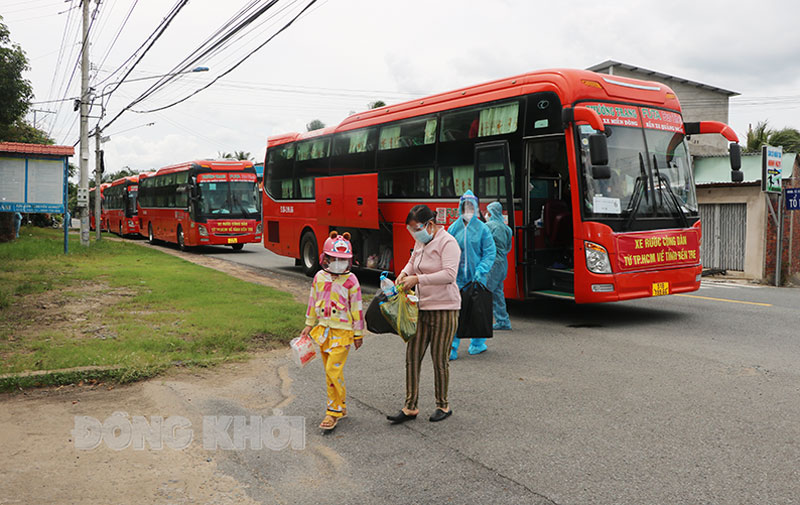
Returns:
<point x="103" y="186"/>
<point x="592" y="170"/>
<point x="201" y="203"/>
<point x="121" y="208"/>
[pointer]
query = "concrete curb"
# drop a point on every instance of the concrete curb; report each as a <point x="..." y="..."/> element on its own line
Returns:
<point x="64" y="376"/>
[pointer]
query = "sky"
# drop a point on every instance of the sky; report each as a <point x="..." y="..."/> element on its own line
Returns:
<point x="342" y="54"/>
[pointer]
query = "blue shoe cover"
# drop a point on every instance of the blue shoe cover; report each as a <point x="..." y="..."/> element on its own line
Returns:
<point x="477" y="349"/>
<point x="453" y="354"/>
<point x="499" y="327"/>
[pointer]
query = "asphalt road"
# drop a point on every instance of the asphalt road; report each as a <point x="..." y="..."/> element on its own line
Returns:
<point x="678" y="399"/>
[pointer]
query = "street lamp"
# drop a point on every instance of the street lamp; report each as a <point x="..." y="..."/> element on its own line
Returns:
<point x="98" y="131"/>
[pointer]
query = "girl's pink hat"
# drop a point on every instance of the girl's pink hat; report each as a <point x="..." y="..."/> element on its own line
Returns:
<point x="337" y="246"/>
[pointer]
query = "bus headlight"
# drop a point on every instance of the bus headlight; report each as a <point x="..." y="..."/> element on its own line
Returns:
<point x="597" y="258"/>
<point x="258" y="228"/>
<point x="202" y="230"/>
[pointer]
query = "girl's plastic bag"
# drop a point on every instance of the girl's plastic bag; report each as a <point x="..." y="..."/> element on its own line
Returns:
<point x="402" y="311"/>
<point x="302" y="350"/>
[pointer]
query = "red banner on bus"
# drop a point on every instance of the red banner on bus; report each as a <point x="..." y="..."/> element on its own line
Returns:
<point x="638" y="251"/>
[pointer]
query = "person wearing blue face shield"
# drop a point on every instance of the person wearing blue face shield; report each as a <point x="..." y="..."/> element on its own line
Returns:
<point x="502" y="235"/>
<point x="477" y="256"/>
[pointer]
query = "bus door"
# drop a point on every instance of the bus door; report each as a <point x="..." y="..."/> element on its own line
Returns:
<point x="494" y="176"/>
<point x="547" y="229"/>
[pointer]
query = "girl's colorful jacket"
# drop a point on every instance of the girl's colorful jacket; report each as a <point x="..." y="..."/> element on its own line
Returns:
<point x="335" y="302"/>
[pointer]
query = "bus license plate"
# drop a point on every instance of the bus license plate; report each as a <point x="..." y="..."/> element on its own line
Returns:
<point x="660" y="288"/>
<point x="235" y="240"/>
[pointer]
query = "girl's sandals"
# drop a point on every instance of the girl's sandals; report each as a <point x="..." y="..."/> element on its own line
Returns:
<point x="328" y="423"/>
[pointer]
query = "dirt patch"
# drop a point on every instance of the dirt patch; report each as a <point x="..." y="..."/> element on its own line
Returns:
<point x="44" y="466"/>
<point x="74" y="312"/>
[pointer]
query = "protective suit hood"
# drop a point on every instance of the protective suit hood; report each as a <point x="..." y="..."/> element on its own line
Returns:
<point x="496" y="211"/>
<point x="468" y="196"/>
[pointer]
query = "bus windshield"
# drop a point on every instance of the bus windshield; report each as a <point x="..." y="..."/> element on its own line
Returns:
<point x="650" y="175"/>
<point x="229" y="199"/>
<point x="132" y="210"/>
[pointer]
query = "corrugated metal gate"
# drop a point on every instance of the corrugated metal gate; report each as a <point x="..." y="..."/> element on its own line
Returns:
<point x="724" y="230"/>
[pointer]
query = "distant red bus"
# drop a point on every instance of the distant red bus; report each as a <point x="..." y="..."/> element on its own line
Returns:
<point x="103" y="186"/>
<point x="593" y="172"/>
<point x="121" y="208"/>
<point x="201" y="203"/>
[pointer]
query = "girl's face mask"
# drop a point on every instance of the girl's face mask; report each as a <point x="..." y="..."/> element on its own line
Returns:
<point x="421" y="234"/>
<point x="338" y="265"/>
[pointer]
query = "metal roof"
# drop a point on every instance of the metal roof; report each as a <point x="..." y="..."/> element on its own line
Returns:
<point x="659" y="75"/>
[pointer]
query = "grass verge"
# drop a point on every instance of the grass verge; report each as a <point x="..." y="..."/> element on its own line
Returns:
<point x="130" y="311"/>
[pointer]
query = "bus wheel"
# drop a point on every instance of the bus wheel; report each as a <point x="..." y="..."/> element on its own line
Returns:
<point x="181" y="240"/>
<point x="237" y="247"/>
<point x="309" y="254"/>
<point x="150" y="238"/>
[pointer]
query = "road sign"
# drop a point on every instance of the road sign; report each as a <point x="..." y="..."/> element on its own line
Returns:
<point x="771" y="172"/>
<point x="792" y="198"/>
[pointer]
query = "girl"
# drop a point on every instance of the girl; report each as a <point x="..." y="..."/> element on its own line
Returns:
<point x="334" y="319"/>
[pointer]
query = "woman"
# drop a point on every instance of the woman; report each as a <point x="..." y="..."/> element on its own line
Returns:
<point x="477" y="255"/>
<point x="432" y="269"/>
<point x="502" y="235"/>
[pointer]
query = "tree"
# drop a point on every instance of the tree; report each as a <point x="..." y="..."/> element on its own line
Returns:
<point x="15" y="99"/>
<point x="242" y="156"/>
<point x="788" y="138"/>
<point x="123" y="172"/>
<point x="224" y="156"/>
<point x="16" y="92"/>
<point x="376" y="104"/>
<point x="315" y="125"/>
<point x="757" y="137"/>
<point x="23" y="131"/>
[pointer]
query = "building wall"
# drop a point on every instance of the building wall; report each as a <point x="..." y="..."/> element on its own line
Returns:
<point x="697" y="104"/>
<point x="755" y="229"/>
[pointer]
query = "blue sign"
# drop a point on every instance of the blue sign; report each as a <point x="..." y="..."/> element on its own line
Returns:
<point x="792" y="198"/>
<point x="33" y="185"/>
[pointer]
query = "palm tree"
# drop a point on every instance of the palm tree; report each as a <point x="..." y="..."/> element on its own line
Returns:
<point x="242" y="156"/>
<point x="788" y="138"/>
<point x="224" y="156"/>
<point x="757" y="137"/>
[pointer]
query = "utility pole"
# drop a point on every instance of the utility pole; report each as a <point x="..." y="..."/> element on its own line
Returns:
<point x="98" y="175"/>
<point x="40" y="110"/>
<point x="83" y="185"/>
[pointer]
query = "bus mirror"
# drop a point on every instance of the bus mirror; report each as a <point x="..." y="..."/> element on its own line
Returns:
<point x="736" y="156"/>
<point x="598" y="150"/>
<point x="601" y="172"/>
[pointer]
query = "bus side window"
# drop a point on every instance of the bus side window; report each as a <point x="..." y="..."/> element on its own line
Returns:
<point x="279" y="171"/>
<point x="312" y="162"/>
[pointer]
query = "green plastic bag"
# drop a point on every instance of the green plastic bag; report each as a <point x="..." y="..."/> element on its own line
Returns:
<point x="402" y="311"/>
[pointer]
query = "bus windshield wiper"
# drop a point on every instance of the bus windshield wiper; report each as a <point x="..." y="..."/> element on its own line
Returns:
<point x="663" y="181"/>
<point x="639" y="188"/>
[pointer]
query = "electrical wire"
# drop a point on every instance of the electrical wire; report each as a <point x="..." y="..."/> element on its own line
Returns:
<point x="231" y="69"/>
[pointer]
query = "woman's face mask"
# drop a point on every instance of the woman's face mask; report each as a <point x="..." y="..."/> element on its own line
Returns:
<point x="338" y="265"/>
<point x="421" y="234"/>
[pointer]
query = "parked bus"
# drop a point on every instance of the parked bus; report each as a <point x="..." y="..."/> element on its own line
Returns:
<point x="201" y="203"/>
<point x="103" y="186"/>
<point x="592" y="170"/>
<point x="121" y="207"/>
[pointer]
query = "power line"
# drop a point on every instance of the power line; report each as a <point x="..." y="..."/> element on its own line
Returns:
<point x="231" y="69"/>
<point x="116" y="37"/>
